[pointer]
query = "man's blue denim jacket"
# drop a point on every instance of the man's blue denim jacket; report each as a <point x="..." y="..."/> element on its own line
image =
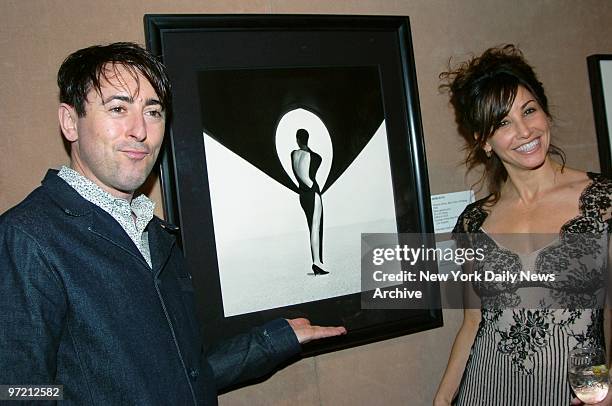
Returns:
<point x="79" y="306"/>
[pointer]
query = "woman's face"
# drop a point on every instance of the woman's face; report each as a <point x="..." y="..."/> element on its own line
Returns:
<point x="523" y="138"/>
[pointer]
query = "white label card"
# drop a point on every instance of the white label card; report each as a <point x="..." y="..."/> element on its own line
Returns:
<point x="447" y="207"/>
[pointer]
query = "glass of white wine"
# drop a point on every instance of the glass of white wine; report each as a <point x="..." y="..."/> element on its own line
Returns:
<point x="588" y="374"/>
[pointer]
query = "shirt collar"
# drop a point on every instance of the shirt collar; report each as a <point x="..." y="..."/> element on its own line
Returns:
<point x="141" y="206"/>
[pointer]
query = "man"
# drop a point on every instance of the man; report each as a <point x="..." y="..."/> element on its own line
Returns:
<point x="93" y="291"/>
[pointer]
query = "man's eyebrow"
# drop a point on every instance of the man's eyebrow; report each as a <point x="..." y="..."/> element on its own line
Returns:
<point x="126" y="99"/>
<point x="153" y="102"/>
<point x="129" y="99"/>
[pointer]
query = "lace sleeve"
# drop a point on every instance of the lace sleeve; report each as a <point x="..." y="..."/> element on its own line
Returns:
<point x="601" y="195"/>
<point x="468" y="223"/>
<point x="471" y="218"/>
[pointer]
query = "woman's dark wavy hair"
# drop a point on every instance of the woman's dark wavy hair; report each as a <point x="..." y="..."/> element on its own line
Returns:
<point x="84" y="69"/>
<point x="482" y="91"/>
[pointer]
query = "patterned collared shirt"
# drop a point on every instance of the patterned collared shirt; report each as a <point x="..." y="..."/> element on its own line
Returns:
<point x="120" y="209"/>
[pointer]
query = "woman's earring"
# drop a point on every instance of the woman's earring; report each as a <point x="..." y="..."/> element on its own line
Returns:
<point x="488" y="153"/>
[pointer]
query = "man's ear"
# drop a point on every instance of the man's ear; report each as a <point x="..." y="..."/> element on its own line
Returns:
<point x="68" y="122"/>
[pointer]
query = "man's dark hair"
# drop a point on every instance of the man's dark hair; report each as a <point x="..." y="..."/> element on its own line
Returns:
<point x="83" y="70"/>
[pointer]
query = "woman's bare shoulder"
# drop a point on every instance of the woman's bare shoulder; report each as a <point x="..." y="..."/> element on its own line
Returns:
<point x="573" y="180"/>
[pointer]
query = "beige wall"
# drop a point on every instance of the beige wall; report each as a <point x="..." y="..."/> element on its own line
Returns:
<point x="556" y="36"/>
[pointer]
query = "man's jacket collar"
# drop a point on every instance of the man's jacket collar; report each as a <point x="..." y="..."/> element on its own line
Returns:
<point x="65" y="196"/>
<point x="102" y="224"/>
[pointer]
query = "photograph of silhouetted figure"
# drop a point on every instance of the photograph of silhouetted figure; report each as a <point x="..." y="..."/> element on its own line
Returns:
<point x="285" y="145"/>
<point x="305" y="164"/>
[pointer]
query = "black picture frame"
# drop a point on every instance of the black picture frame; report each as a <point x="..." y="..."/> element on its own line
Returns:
<point x="598" y="79"/>
<point x="188" y="44"/>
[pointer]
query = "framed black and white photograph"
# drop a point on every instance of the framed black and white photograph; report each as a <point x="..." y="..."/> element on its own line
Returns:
<point x="291" y="136"/>
<point x="600" y="77"/>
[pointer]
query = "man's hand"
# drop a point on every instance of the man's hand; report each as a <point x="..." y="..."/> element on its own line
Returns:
<point x="305" y="332"/>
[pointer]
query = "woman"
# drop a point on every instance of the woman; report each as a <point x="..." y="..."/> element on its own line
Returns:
<point x="504" y="353"/>
<point x="305" y="163"/>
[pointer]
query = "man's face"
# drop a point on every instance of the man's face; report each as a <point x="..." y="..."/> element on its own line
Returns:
<point x="116" y="143"/>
